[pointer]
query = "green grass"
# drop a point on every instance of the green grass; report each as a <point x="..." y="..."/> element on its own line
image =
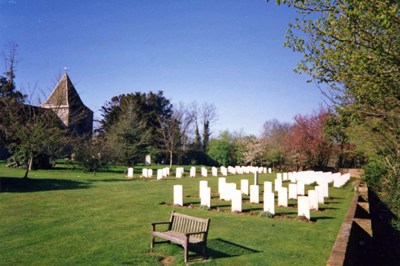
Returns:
<point x="67" y="217"/>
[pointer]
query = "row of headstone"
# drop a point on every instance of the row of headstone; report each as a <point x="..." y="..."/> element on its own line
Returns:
<point x="229" y="192"/>
<point x="239" y="170"/>
<point x="148" y="173"/>
<point x="310" y="177"/>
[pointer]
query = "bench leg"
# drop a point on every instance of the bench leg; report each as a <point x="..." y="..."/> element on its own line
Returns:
<point x="152" y="242"/>
<point x="186" y="254"/>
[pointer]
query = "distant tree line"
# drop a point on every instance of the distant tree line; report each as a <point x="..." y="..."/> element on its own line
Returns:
<point x="309" y="142"/>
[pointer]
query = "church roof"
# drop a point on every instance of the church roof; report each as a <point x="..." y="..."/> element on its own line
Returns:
<point x="64" y="94"/>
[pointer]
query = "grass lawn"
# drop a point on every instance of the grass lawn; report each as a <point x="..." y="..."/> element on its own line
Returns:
<point x="67" y="217"/>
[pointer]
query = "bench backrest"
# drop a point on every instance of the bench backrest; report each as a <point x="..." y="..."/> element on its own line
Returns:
<point x="183" y="223"/>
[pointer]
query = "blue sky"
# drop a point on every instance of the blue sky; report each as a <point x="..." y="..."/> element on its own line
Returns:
<point x="226" y="52"/>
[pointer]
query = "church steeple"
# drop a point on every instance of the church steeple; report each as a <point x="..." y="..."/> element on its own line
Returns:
<point x="66" y="103"/>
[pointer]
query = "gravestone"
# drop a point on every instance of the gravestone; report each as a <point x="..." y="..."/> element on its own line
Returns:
<point x="192" y="171"/>
<point x="313" y="197"/>
<point x="303" y="206"/>
<point x="268" y="186"/>
<point x="278" y="184"/>
<point x="147" y="160"/>
<point x="320" y="194"/>
<point x="270" y="170"/>
<point x="179" y="172"/>
<point x="254" y="194"/>
<point x="269" y="202"/>
<point x="283" y="197"/>
<point x="256" y="178"/>
<point x="285" y="176"/>
<point x="214" y="171"/>
<point x="228" y="190"/>
<point x="221" y="184"/>
<point x="244" y="186"/>
<point x="178" y="195"/>
<point x="292" y="191"/>
<point x="149" y="173"/>
<point x="203" y="186"/>
<point x="144" y="172"/>
<point x="159" y="174"/>
<point x="236" y="201"/>
<point x="300" y="188"/>
<point x="130" y="173"/>
<point x="204" y="172"/>
<point x="205" y="199"/>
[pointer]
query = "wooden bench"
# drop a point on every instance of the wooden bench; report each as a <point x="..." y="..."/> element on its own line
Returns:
<point x="188" y="231"/>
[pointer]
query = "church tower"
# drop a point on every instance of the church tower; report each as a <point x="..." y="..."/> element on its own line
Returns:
<point x="66" y="103"/>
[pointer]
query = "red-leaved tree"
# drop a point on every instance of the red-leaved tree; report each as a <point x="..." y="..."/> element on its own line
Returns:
<point x="306" y="143"/>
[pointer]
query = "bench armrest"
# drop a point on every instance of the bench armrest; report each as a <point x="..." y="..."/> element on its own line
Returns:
<point x="153" y="225"/>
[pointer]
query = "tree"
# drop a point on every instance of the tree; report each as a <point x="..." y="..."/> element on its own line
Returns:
<point x="129" y="136"/>
<point x="306" y="142"/>
<point x="27" y="131"/>
<point x="93" y="154"/>
<point x="351" y="50"/>
<point x="208" y="116"/>
<point x="273" y="136"/>
<point x="174" y="130"/>
<point x="36" y="132"/>
<point x="222" y="149"/>
<point x="136" y="119"/>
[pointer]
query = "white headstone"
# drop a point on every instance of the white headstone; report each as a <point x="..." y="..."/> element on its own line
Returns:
<point x="285" y="176"/>
<point x="292" y="191"/>
<point x="268" y="186"/>
<point x="269" y="202"/>
<point x="300" y="188"/>
<point x="204" y="172"/>
<point x="237" y="201"/>
<point x="130" y="172"/>
<point x="159" y="174"/>
<point x="278" y="184"/>
<point x="144" y="172"/>
<point x="178" y="195"/>
<point x="320" y="194"/>
<point x="203" y="186"/>
<point x="147" y="161"/>
<point x="214" y="171"/>
<point x="149" y="173"/>
<point x="254" y="194"/>
<point x="303" y="206"/>
<point x="313" y="197"/>
<point x="244" y="186"/>
<point x="221" y="184"/>
<point x="205" y="199"/>
<point x="283" y="197"/>
<point x="192" y="171"/>
<point x="229" y="188"/>
<point x="269" y="170"/>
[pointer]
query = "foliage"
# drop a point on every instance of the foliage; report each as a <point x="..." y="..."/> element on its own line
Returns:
<point x="222" y="149"/>
<point x="306" y="142"/>
<point x="273" y="136"/>
<point x="351" y="49"/>
<point x="129" y="137"/>
<point x="93" y="154"/>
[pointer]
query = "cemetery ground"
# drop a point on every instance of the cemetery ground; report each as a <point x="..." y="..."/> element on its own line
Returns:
<point x="67" y="217"/>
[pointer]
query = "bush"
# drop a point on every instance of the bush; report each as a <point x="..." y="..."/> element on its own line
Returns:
<point x="373" y="172"/>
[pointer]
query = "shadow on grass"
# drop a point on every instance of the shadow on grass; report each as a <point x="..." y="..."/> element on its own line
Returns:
<point x="13" y="184"/>
<point x="219" y="248"/>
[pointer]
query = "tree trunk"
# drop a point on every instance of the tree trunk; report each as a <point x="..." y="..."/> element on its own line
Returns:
<point x="29" y="166"/>
<point x="170" y="159"/>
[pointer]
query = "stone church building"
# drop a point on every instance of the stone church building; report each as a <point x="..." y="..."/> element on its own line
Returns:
<point x="66" y="103"/>
<point x="73" y="113"/>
